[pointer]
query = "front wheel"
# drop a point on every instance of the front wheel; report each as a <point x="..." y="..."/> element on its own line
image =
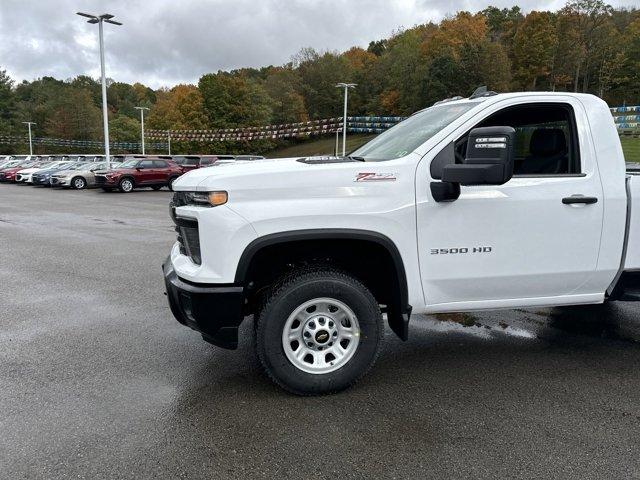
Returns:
<point x="319" y="332"/>
<point x="79" y="183"/>
<point x="125" y="185"/>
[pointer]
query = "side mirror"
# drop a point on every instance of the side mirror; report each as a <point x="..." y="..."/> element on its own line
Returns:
<point x="489" y="161"/>
<point x="489" y="158"/>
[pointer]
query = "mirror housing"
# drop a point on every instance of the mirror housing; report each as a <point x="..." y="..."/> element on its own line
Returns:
<point x="489" y="158"/>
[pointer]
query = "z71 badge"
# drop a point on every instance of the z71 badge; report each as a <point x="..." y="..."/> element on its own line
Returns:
<point x="375" y="177"/>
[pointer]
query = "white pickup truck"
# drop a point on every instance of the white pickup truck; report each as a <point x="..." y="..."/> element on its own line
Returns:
<point x="493" y="201"/>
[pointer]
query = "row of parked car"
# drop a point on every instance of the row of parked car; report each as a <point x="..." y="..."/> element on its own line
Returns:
<point x="126" y="172"/>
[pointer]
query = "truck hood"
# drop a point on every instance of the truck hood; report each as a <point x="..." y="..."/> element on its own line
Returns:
<point x="245" y="174"/>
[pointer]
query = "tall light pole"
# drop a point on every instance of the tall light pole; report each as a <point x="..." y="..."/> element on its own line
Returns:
<point x="169" y="140"/>
<point x="346" y="87"/>
<point x="99" y="19"/>
<point x="142" y="109"/>
<point x="30" y="142"/>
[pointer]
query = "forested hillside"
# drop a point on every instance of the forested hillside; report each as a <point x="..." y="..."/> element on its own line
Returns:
<point x="587" y="46"/>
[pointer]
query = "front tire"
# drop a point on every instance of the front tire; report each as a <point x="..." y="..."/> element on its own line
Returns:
<point x="319" y="331"/>
<point x="125" y="185"/>
<point x="78" y="183"/>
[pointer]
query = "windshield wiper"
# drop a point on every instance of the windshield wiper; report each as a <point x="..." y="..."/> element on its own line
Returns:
<point x="357" y="159"/>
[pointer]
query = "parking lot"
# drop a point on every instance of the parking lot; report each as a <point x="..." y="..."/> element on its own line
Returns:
<point x="97" y="380"/>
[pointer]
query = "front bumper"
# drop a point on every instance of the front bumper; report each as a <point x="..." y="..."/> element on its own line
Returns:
<point x="40" y="180"/>
<point x="214" y="311"/>
<point x="104" y="181"/>
<point x="59" y="181"/>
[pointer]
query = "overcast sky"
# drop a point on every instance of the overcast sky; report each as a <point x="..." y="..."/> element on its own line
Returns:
<point x="165" y="42"/>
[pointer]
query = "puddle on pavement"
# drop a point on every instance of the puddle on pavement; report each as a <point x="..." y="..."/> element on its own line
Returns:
<point x="616" y="321"/>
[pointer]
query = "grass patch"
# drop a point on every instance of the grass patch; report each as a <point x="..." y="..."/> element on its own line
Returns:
<point x="322" y="146"/>
<point x="631" y="148"/>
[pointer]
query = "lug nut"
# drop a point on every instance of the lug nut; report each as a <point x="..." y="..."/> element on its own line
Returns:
<point x="307" y="334"/>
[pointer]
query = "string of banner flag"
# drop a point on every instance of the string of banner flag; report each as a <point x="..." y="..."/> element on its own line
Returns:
<point x="355" y="124"/>
<point x="369" y="124"/>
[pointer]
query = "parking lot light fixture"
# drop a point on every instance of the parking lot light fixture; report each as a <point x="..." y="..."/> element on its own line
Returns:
<point x="30" y="142"/>
<point x="346" y="87"/>
<point x="142" y="109"/>
<point x="100" y="19"/>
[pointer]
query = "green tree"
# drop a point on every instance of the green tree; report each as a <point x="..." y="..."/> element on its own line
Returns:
<point x="7" y="102"/>
<point x="124" y="129"/>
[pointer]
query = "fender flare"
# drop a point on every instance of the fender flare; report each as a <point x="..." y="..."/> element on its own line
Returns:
<point x="398" y="319"/>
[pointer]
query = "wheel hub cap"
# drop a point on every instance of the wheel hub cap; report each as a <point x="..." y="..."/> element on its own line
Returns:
<point x="321" y="335"/>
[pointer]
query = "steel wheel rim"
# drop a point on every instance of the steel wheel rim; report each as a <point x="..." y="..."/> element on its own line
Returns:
<point x="127" y="185"/>
<point x="321" y="336"/>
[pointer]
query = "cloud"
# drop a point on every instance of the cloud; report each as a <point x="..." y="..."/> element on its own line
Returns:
<point x="164" y="42"/>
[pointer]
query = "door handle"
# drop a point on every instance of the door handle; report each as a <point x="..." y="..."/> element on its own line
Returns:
<point x="579" y="199"/>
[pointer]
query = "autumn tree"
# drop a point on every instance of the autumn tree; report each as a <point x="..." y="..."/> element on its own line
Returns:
<point x="180" y="108"/>
<point x="533" y="47"/>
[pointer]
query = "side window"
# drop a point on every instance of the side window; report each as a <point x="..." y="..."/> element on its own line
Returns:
<point x="159" y="164"/>
<point x="145" y="164"/>
<point x="546" y="140"/>
<point x="205" y="161"/>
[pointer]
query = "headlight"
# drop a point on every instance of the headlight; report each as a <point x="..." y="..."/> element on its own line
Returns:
<point x="208" y="199"/>
<point x="201" y="199"/>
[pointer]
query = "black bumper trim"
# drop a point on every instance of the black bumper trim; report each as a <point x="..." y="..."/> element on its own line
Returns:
<point x="214" y="311"/>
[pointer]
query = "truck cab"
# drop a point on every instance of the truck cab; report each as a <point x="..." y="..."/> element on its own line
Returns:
<point x="492" y="201"/>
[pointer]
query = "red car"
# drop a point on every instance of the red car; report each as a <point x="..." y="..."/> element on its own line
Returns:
<point x="139" y="173"/>
<point x="9" y="174"/>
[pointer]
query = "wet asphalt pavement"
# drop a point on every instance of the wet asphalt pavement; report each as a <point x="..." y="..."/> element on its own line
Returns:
<point x="98" y="381"/>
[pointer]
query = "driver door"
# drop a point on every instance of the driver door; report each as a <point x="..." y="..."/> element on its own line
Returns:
<point x="497" y="244"/>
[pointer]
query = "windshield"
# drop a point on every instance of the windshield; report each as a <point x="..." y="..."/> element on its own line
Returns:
<point x="76" y="166"/>
<point x="409" y="134"/>
<point x="128" y="163"/>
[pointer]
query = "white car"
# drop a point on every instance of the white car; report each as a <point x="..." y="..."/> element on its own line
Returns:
<point x="492" y="201"/>
<point x="25" y="176"/>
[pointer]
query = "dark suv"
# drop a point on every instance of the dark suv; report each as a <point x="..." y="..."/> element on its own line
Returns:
<point x="191" y="162"/>
<point x="139" y="173"/>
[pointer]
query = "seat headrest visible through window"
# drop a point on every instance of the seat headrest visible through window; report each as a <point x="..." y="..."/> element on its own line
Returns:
<point x="547" y="141"/>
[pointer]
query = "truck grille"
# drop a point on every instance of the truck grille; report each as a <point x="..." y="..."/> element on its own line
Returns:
<point x="189" y="241"/>
<point x="187" y="229"/>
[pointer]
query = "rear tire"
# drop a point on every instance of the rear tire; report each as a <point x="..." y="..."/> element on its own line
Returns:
<point x="125" y="185"/>
<point x="319" y="332"/>
<point x="171" y="180"/>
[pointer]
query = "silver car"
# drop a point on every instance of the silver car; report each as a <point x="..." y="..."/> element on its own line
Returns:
<point x="79" y="176"/>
